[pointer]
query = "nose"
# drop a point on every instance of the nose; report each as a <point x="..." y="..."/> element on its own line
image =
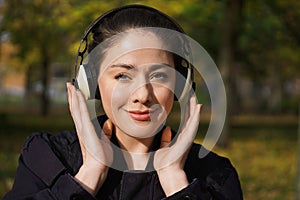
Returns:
<point x="143" y="94"/>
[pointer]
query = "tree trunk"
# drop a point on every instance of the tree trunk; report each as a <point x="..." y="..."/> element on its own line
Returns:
<point x="44" y="101"/>
<point x="229" y="30"/>
<point x="275" y="100"/>
<point x="28" y="90"/>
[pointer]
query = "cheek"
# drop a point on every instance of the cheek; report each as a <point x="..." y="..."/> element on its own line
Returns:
<point x="106" y="94"/>
<point x="105" y="99"/>
<point x="165" y="94"/>
<point x="165" y="98"/>
<point x="112" y="97"/>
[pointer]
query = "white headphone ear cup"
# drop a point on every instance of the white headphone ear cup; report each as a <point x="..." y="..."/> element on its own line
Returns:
<point x="187" y="87"/>
<point x="82" y="82"/>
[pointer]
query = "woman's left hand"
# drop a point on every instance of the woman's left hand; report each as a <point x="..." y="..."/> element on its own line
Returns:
<point x="169" y="160"/>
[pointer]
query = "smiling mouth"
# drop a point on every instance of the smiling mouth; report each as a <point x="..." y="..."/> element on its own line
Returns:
<point x="140" y="115"/>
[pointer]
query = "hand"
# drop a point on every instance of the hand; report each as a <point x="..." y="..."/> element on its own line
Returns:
<point x="169" y="160"/>
<point x="96" y="153"/>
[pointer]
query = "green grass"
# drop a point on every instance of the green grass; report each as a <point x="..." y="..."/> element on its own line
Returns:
<point x="266" y="162"/>
<point x="263" y="150"/>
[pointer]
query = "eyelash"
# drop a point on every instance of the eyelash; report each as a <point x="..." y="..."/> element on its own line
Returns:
<point x="122" y="76"/>
<point x="157" y="76"/>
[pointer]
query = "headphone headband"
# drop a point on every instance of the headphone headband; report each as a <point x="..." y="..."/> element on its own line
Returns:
<point x="84" y="76"/>
<point x="106" y="14"/>
<point x="95" y="23"/>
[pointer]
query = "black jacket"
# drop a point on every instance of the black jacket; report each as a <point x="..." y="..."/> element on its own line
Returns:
<point x="48" y="163"/>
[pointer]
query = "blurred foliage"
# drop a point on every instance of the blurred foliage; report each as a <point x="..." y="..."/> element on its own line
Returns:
<point x="267" y="60"/>
<point x="35" y="26"/>
<point x="266" y="52"/>
<point x="267" y="41"/>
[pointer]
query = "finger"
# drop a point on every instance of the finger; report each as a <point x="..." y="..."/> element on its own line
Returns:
<point x="166" y="137"/>
<point x="189" y="112"/>
<point x="69" y="92"/>
<point x="73" y="106"/>
<point x="193" y="121"/>
<point x="192" y="104"/>
<point x="75" y="109"/>
<point x="189" y="106"/>
<point x="84" y="113"/>
<point x="69" y="85"/>
<point x="95" y="148"/>
<point x="188" y="134"/>
<point x="89" y="133"/>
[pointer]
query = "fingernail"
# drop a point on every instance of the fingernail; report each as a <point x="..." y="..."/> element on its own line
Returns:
<point x="200" y="106"/>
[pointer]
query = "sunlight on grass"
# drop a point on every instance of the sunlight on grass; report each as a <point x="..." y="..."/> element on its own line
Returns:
<point x="266" y="163"/>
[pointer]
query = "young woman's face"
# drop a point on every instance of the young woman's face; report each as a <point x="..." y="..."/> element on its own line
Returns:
<point x="137" y="89"/>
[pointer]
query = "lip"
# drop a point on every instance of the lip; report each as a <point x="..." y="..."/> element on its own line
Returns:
<point x="140" y="115"/>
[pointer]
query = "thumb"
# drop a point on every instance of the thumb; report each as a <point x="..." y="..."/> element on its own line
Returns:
<point x="166" y="137"/>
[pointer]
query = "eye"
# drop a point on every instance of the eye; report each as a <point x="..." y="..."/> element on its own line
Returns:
<point x="122" y="77"/>
<point x="159" y="76"/>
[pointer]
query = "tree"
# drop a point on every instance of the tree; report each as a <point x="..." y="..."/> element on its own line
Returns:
<point x="230" y="29"/>
<point x="35" y="27"/>
<point x="268" y="52"/>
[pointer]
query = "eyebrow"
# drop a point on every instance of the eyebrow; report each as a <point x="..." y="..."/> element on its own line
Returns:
<point x="129" y="67"/>
<point x="159" y="66"/>
<point x="122" y="65"/>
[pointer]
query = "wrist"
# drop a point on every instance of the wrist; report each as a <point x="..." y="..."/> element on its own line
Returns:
<point x="172" y="181"/>
<point x="91" y="178"/>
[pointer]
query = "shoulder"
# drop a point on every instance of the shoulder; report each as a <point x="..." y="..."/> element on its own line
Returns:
<point x="48" y="148"/>
<point x="208" y="163"/>
<point x="215" y="172"/>
<point x="65" y="137"/>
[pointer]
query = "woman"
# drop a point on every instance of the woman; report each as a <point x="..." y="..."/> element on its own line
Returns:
<point x="133" y="155"/>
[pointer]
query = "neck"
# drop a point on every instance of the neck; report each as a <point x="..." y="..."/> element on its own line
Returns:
<point x="133" y="144"/>
<point x="135" y="150"/>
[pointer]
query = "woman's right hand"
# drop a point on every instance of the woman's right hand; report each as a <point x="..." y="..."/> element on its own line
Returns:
<point x="97" y="153"/>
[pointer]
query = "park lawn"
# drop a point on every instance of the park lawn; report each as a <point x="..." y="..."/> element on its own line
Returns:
<point x="266" y="162"/>
<point x="264" y="156"/>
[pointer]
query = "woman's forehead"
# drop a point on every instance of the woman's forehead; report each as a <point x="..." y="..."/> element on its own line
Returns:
<point x="134" y="38"/>
<point x="144" y="56"/>
<point x="137" y="52"/>
<point x="131" y="41"/>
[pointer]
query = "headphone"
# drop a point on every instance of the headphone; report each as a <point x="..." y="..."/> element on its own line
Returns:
<point x="86" y="75"/>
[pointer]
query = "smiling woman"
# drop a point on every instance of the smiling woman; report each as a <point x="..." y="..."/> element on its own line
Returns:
<point x="139" y="91"/>
<point x="136" y="66"/>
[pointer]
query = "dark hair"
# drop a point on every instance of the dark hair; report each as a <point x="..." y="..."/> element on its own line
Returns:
<point x="134" y="16"/>
<point x="129" y="17"/>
